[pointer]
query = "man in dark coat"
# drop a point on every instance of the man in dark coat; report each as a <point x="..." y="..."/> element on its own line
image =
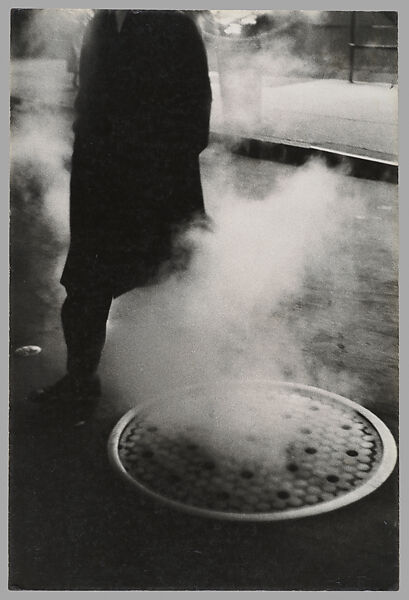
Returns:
<point x="143" y="110"/>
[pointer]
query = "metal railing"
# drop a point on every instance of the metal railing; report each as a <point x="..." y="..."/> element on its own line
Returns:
<point x="353" y="46"/>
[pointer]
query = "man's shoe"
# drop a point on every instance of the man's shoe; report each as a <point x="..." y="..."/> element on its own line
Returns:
<point x="70" y="399"/>
<point x="68" y="389"/>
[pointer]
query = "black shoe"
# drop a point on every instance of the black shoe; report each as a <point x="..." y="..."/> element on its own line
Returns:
<point x="69" y="398"/>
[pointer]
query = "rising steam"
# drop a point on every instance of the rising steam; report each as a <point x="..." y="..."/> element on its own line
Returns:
<point x="50" y="30"/>
<point x="217" y="319"/>
<point x="225" y="317"/>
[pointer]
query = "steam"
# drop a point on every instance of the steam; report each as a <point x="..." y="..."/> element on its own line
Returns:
<point x="254" y="51"/>
<point x="40" y="148"/>
<point x="50" y="30"/>
<point x="226" y="318"/>
<point x="225" y="420"/>
<point x="40" y="154"/>
<point x="259" y="252"/>
<point x="39" y="157"/>
<point x="232" y="315"/>
<point x="230" y="318"/>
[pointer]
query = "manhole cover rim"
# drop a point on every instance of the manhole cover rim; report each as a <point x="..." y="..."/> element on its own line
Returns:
<point x="384" y="470"/>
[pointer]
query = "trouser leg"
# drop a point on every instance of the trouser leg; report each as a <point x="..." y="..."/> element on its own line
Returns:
<point x="84" y="315"/>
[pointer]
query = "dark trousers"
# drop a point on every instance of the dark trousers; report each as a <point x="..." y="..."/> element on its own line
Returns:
<point x="84" y="316"/>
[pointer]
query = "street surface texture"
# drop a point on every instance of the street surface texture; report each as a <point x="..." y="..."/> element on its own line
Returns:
<point x="74" y="524"/>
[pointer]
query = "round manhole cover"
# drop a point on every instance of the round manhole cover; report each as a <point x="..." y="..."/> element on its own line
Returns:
<point x="253" y="450"/>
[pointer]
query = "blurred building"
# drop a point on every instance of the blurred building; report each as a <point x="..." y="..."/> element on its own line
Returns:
<point x="316" y="41"/>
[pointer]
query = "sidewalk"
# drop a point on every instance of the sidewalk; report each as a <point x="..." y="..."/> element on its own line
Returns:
<point x="358" y="119"/>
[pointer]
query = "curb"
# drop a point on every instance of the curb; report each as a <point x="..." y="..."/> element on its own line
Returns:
<point x="290" y="152"/>
<point x="297" y="154"/>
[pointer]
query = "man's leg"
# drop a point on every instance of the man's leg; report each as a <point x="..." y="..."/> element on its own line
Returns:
<point x="84" y="315"/>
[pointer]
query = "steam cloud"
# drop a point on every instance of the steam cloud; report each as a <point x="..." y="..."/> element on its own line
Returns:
<point x="212" y="320"/>
<point x="227" y="316"/>
<point x="49" y="30"/>
<point x="225" y="319"/>
<point x="39" y="190"/>
<point x="249" y="65"/>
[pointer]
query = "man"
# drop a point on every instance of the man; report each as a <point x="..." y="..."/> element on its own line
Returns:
<point x="143" y="110"/>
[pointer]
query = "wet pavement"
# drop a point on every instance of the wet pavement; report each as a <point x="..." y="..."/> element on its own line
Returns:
<point x="75" y="525"/>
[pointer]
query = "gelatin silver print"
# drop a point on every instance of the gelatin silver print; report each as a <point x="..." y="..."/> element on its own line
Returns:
<point x="203" y="300"/>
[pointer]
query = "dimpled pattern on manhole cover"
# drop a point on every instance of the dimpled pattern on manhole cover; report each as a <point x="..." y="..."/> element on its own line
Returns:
<point x="335" y="453"/>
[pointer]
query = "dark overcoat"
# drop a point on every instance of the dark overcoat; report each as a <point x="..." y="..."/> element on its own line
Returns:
<point x="143" y="112"/>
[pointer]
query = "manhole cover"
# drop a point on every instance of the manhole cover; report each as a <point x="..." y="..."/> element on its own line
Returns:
<point x="253" y="450"/>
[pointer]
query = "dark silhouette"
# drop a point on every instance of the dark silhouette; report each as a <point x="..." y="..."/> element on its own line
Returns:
<point x="143" y="111"/>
